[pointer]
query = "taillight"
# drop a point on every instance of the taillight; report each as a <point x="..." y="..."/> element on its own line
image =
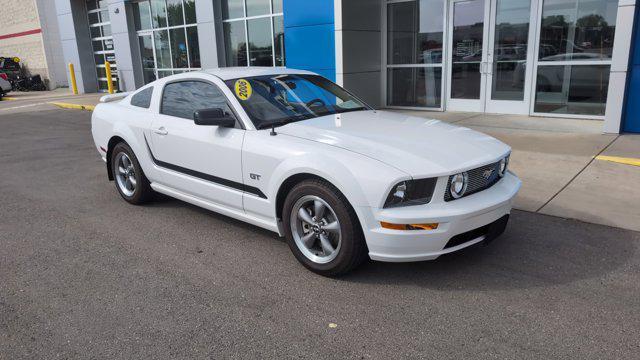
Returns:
<point x="4" y="76"/>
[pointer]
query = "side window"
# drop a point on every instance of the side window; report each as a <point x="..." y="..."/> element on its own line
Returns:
<point x="183" y="98"/>
<point x="142" y="98"/>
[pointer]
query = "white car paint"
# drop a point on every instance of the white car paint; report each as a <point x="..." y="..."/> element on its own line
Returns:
<point x="364" y="154"/>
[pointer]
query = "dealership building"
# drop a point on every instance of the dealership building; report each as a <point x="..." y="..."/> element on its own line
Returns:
<point x="552" y="58"/>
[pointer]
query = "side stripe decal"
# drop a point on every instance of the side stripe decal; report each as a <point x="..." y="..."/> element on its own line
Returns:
<point x="211" y="178"/>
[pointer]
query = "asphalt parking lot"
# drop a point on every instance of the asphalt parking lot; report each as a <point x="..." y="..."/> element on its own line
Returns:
<point x="85" y="275"/>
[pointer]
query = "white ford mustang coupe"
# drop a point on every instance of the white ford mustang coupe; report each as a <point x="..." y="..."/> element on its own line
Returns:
<point x="292" y="152"/>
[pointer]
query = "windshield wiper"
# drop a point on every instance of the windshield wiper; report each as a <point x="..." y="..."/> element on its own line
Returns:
<point x="272" y="124"/>
<point x="293" y="118"/>
<point x="361" y="108"/>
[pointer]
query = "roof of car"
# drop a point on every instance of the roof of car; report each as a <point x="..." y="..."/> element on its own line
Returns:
<point x="244" y="71"/>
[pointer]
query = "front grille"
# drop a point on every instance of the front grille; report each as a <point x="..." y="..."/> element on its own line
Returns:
<point x="478" y="180"/>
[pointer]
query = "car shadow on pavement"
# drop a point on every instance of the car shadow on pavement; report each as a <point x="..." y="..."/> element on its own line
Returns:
<point x="164" y="201"/>
<point x="535" y="251"/>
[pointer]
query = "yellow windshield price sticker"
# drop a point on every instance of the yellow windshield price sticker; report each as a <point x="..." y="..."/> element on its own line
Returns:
<point x="243" y="89"/>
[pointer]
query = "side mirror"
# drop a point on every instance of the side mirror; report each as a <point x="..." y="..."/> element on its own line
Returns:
<point x="213" y="117"/>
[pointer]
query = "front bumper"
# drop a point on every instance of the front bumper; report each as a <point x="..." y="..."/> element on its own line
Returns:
<point x="462" y="216"/>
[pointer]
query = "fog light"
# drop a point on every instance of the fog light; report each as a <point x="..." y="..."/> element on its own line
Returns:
<point x="391" y="226"/>
<point x="459" y="185"/>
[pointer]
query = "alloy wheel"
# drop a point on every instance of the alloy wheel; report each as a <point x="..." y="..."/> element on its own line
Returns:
<point x="125" y="174"/>
<point x="316" y="229"/>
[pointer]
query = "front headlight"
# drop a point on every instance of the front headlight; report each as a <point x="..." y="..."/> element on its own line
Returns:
<point x="411" y="192"/>
<point x="459" y="184"/>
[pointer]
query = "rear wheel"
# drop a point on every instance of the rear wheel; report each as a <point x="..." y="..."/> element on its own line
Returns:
<point x="322" y="229"/>
<point x="129" y="178"/>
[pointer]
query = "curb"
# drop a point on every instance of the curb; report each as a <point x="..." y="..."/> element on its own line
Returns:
<point x="619" y="160"/>
<point x="73" y="106"/>
<point x="8" y="98"/>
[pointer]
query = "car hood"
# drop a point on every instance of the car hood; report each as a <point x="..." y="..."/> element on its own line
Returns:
<point x="415" y="145"/>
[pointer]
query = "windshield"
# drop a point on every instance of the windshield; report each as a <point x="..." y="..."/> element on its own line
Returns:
<point x="285" y="98"/>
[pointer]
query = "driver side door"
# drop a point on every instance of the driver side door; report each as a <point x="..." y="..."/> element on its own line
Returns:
<point x="202" y="161"/>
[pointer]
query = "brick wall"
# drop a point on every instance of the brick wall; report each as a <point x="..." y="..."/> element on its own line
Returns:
<point x="18" y="16"/>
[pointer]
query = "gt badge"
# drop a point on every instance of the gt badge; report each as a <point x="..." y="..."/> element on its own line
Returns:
<point x="243" y="89"/>
<point x="254" y="176"/>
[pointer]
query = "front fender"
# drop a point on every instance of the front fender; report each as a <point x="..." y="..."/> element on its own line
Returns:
<point x="353" y="177"/>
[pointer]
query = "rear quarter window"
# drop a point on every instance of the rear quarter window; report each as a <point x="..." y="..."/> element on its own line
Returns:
<point x="142" y="98"/>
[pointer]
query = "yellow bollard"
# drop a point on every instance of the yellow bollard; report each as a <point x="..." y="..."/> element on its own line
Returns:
<point x="107" y="68"/>
<point x="72" y="74"/>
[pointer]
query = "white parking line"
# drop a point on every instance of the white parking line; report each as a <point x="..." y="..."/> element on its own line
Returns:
<point x="23" y="106"/>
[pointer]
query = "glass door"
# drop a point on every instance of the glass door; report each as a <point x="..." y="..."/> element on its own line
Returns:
<point x="488" y="51"/>
<point x="467" y="54"/>
<point x="508" y="78"/>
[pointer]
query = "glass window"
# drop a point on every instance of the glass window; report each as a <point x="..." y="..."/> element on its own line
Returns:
<point x="194" y="49"/>
<point x="108" y="44"/>
<point x="94" y="18"/>
<point x="104" y="16"/>
<point x="277" y="6"/>
<point x="174" y="12"/>
<point x="510" y="49"/>
<point x="149" y="75"/>
<point x="142" y="98"/>
<point x="236" y="48"/>
<point x="260" y="50"/>
<point x="146" y="52"/>
<point x="577" y="27"/>
<point x="106" y="30"/>
<point x="258" y="7"/>
<point x="232" y="9"/>
<point x="414" y="32"/>
<point x="92" y="4"/>
<point x="288" y="98"/>
<point x="416" y="87"/>
<point x="95" y="31"/>
<point x="99" y="59"/>
<point x="97" y="45"/>
<point x="264" y="32"/>
<point x="161" y="42"/>
<point x="572" y="89"/>
<point x="159" y="13"/>
<point x="190" y="11"/>
<point x="164" y="73"/>
<point x="178" y="48"/>
<point x="278" y="40"/>
<point x="182" y="99"/>
<point x="142" y="15"/>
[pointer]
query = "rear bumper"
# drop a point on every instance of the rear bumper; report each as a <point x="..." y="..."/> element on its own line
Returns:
<point x="461" y="223"/>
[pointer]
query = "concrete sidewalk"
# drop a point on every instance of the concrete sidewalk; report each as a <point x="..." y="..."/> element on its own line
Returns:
<point x="59" y="94"/>
<point x="556" y="160"/>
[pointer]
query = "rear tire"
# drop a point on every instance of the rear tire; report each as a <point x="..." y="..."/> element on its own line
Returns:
<point x="129" y="178"/>
<point x="330" y="244"/>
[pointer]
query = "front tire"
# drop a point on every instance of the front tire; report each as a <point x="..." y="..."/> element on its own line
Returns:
<point x="322" y="229"/>
<point x="129" y="178"/>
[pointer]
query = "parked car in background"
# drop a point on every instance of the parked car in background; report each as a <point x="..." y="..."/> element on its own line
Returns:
<point x="11" y="67"/>
<point x="5" y="85"/>
<point x="292" y="152"/>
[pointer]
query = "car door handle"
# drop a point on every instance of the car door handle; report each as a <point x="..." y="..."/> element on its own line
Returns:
<point x="161" y="131"/>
